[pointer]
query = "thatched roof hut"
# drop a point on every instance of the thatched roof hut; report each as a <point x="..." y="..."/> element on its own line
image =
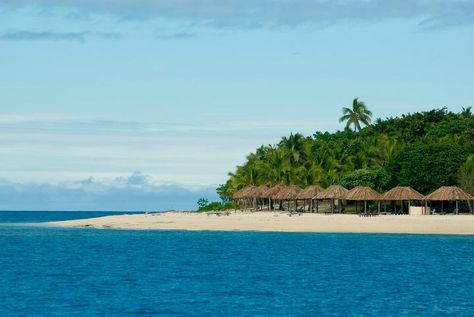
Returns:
<point x="243" y="193"/>
<point x="400" y="193"/>
<point x="332" y="192"/>
<point x="310" y="192"/>
<point x="259" y="192"/>
<point x="449" y="193"/>
<point x="362" y="193"/>
<point x="288" y="193"/>
<point x="273" y="191"/>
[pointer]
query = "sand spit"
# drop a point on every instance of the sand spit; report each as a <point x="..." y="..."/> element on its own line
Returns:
<point x="282" y="222"/>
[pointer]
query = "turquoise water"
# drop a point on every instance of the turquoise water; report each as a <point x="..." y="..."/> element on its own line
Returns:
<point x="86" y="272"/>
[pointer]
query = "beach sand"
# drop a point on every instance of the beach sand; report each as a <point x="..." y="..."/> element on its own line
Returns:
<point x="282" y="222"/>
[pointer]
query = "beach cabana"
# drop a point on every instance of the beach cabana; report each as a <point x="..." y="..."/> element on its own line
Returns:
<point x="450" y="193"/>
<point x="308" y="194"/>
<point x="363" y="193"/>
<point x="258" y="193"/>
<point x="289" y="193"/>
<point x="403" y="193"/>
<point x="271" y="193"/>
<point x="243" y="194"/>
<point x="332" y="193"/>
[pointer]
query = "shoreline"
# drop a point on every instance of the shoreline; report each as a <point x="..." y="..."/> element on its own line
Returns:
<point x="281" y="222"/>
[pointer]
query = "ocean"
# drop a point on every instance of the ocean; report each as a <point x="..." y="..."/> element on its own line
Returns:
<point x="48" y="271"/>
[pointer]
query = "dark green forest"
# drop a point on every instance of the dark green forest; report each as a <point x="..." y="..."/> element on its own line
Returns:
<point x="424" y="150"/>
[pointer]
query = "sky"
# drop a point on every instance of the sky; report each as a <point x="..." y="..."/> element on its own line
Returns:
<point x="148" y="104"/>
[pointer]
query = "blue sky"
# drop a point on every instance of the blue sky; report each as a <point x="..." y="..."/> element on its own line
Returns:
<point x="179" y="92"/>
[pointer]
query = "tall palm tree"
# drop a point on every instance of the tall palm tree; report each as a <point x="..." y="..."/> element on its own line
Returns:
<point x="357" y="115"/>
<point x="294" y="146"/>
<point x="276" y="167"/>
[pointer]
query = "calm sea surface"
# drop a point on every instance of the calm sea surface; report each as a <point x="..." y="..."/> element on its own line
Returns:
<point x="87" y="272"/>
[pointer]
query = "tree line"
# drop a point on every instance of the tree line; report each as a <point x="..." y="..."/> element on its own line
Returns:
<point x="424" y="150"/>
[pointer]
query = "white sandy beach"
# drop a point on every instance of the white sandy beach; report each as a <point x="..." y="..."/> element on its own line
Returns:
<point x="282" y="222"/>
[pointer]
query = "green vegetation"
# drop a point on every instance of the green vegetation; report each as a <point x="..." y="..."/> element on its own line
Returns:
<point x="466" y="175"/>
<point x="424" y="150"/>
<point x="359" y="113"/>
<point x="205" y="205"/>
<point x="376" y="178"/>
<point x="427" y="166"/>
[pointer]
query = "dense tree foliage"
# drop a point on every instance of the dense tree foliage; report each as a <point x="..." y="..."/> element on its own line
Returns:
<point x="466" y="175"/>
<point x="427" y="166"/>
<point x="424" y="150"/>
<point x="376" y="178"/>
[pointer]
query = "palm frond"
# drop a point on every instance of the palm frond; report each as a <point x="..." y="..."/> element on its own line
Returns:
<point x="344" y="118"/>
<point x="346" y="110"/>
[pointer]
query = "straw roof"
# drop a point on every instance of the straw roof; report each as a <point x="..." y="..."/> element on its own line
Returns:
<point x="402" y="193"/>
<point x="242" y="193"/>
<point x="362" y="193"/>
<point x="310" y="192"/>
<point x="332" y="192"/>
<point x="259" y="192"/>
<point x="449" y="193"/>
<point x="288" y="193"/>
<point x="273" y="191"/>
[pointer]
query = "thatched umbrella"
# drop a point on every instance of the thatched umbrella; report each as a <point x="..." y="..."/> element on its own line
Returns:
<point x="402" y="193"/>
<point x="259" y="192"/>
<point x="272" y="192"/>
<point x="332" y="193"/>
<point x="363" y="193"/>
<point x="243" y="193"/>
<point x="449" y="193"/>
<point x="308" y="193"/>
<point x="289" y="193"/>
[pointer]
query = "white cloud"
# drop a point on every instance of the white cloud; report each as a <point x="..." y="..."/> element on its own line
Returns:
<point x="136" y="192"/>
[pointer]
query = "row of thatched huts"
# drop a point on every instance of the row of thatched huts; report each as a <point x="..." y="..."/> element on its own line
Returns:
<point x="315" y="193"/>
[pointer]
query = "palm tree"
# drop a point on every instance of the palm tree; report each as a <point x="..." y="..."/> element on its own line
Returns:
<point x="294" y="146"/>
<point x="466" y="112"/>
<point x="359" y="113"/>
<point x="276" y="166"/>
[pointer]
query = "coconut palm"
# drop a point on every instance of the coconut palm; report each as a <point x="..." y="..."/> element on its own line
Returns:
<point x="275" y="167"/>
<point x="466" y="112"/>
<point x="357" y="115"/>
<point x="294" y="146"/>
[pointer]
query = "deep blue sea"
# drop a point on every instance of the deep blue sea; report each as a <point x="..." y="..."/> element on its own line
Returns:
<point x="89" y="272"/>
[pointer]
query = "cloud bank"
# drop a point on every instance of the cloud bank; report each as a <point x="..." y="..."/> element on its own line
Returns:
<point x="136" y="192"/>
<point x="57" y="161"/>
<point x="269" y="13"/>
